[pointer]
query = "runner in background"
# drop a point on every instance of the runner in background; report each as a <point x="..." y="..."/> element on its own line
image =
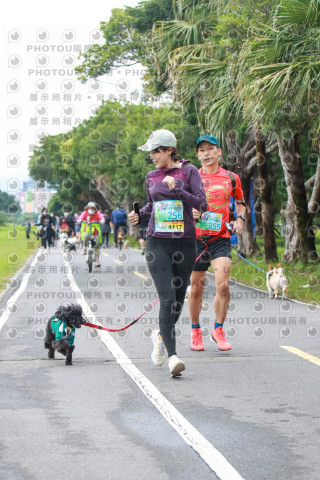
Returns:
<point x="105" y="229"/>
<point x="118" y="219"/>
<point x="46" y="231"/>
<point x="28" y="228"/>
<point x="212" y="231"/>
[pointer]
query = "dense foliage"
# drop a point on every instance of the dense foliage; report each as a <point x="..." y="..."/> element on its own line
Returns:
<point x="99" y="161"/>
<point x="244" y="70"/>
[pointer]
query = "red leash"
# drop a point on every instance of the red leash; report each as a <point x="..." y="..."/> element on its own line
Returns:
<point x="206" y="244"/>
<point x="99" y="327"/>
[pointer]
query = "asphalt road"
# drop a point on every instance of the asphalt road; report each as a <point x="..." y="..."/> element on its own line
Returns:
<point x="251" y="413"/>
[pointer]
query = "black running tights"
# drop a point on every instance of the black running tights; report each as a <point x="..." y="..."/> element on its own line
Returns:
<point x="170" y="262"/>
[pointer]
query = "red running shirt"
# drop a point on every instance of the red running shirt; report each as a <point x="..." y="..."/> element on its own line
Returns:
<point x="218" y="189"/>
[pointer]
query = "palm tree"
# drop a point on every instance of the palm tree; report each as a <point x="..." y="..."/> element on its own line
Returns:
<point x="282" y="82"/>
<point x="203" y="67"/>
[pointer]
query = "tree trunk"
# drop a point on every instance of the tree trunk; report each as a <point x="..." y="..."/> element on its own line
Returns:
<point x="270" y="248"/>
<point x="300" y="239"/>
<point x="314" y="203"/>
<point x="292" y="239"/>
<point x="238" y="159"/>
<point x="247" y="242"/>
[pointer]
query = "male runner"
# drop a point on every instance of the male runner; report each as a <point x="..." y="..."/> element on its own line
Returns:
<point x="212" y="232"/>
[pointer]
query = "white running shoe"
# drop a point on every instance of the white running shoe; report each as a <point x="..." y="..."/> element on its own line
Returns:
<point x="159" y="350"/>
<point x="176" y="366"/>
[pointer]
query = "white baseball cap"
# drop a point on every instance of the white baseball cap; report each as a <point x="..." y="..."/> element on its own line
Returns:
<point x="159" y="138"/>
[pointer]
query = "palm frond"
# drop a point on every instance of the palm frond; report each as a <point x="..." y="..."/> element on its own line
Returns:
<point x="297" y="12"/>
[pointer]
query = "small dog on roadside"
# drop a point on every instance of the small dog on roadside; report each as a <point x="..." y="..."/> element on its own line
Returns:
<point x="68" y="243"/>
<point x="276" y="281"/>
<point x="60" y="331"/>
<point x="126" y="244"/>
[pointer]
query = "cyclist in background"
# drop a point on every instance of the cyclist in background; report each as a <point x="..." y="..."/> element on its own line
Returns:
<point x="91" y="215"/>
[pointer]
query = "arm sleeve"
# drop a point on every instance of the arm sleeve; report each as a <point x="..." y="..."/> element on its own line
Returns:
<point x="145" y="212"/>
<point x="196" y="197"/>
<point x="81" y="216"/>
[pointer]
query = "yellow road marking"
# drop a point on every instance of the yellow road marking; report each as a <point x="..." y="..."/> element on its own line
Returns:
<point x="106" y="254"/>
<point x="302" y="354"/>
<point x="140" y="274"/>
<point x="118" y="261"/>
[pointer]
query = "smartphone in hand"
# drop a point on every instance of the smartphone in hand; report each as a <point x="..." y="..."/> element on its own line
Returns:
<point x="136" y="210"/>
<point x="230" y="226"/>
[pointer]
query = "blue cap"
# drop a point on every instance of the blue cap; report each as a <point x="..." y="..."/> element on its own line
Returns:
<point x="208" y="138"/>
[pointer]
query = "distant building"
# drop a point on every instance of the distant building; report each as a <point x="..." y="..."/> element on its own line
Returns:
<point x="34" y="200"/>
<point x="29" y="185"/>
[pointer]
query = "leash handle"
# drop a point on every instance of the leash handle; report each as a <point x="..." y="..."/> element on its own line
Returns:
<point x="205" y="244"/>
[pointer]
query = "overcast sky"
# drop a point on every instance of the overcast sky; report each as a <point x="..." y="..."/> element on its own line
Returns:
<point x="40" y="43"/>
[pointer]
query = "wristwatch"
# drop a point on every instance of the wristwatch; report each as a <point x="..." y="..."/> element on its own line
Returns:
<point x="243" y="218"/>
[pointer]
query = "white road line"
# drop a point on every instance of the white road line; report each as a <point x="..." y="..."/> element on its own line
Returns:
<point x="213" y="458"/>
<point x="6" y="312"/>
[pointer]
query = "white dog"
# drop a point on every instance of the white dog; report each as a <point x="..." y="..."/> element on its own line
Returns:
<point x="68" y="243"/>
<point x="276" y="281"/>
<point x="63" y="239"/>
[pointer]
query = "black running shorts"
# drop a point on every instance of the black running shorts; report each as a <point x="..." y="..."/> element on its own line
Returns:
<point x="221" y="247"/>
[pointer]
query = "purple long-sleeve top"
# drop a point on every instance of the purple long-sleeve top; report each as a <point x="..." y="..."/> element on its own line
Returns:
<point x="189" y="189"/>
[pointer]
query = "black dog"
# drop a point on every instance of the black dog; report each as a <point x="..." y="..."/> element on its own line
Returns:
<point x="60" y="331"/>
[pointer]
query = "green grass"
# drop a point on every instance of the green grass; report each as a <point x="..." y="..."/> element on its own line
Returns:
<point x="15" y="249"/>
<point x="304" y="280"/>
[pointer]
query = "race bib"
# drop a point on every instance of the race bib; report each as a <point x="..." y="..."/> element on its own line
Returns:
<point x="210" y="221"/>
<point x="168" y="216"/>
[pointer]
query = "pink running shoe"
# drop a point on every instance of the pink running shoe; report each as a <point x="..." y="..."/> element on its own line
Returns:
<point x="219" y="337"/>
<point x="196" y="339"/>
